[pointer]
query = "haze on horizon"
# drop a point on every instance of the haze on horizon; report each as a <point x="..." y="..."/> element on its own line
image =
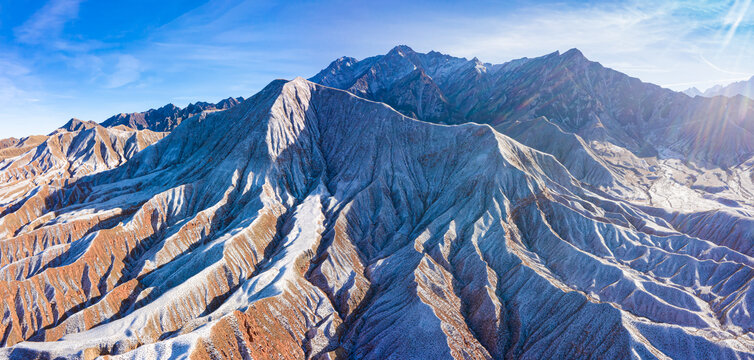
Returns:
<point x="72" y="58"/>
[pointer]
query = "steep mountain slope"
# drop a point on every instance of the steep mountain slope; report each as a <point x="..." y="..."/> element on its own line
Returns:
<point x="578" y="95"/>
<point x="635" y="140"/>
<point x="74" y="150"/>
<point x="36" y="167"/>
<point x="167" y="117"/>
<point x="310" y="223"/>
<point x="12" y="147"/>
<point x="75" y="125"/>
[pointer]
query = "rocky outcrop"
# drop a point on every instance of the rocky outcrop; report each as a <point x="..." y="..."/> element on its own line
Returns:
<point x="307" y="222"/>
<point x="74" y="125"/>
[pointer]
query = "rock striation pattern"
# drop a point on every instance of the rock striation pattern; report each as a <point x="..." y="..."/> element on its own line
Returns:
<point x="309" y="222"/>
<point x="631" y="140"/>
<point x="578" y="96"/>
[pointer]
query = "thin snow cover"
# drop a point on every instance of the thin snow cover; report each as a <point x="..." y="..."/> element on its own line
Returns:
<point x="466" y="210"/>
<point x="279" y="276"/>
<point x="280" y="273"/>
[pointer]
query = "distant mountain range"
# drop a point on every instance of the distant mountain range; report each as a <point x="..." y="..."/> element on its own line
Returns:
<point x="403" y="206"/>
<point x="744" y="88"/>
<point x="167" y="117"/>
<point x="575" y="95"/>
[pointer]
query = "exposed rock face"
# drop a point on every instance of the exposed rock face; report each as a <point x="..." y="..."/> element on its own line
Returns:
<point x="633" y="140"/>
<point x="4" y="143"/>
<point x="577" y="95"/>
<point x="84" y="149"/>
<point x="37" y="167"/>
<point x="307" y="222"/>
<point x="75" y="125"/>
<point x="12" y="147"/>
<point x="167" y="117"/>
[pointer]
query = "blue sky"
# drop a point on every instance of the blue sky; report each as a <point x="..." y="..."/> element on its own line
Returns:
<point x="91" y="59"/>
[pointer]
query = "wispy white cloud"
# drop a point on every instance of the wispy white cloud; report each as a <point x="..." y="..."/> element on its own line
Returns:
<point x="708" y="83"/>
<point x="662" y="42"/>
<point x="19" y="98"/>
<point x="733" y="19"/>
<point x="717" y="68"/>
<point x="14" y="78"/>
<point x="668" y="43"/>
<point x="126" y="71"/>
<point x="46" y="27"/>
<point x="48" y="22"/>
<point x="9" y="67"/>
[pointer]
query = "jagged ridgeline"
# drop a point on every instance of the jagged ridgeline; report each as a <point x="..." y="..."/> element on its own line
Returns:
<point x="405" y="206"/>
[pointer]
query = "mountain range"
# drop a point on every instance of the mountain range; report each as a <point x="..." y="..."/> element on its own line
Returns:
<point x="404" y="206"/>
<point x="743" y="88"/>
<point x="169" y="116"/>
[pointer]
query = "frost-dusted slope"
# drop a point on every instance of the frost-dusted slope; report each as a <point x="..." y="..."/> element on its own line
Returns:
<point x="578" y="95"/>
<point x="72" y="151"/>
<point x="633" y="140"/>
<point x="13" y="147"/>
<point x="308" y="222"/>
<point x="35" y="170"/>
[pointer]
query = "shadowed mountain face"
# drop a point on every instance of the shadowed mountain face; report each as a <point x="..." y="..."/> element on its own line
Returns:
<point x="634" y="140"/>
<point x="167" y="117"/>
<point x="310" y="222"/>
<point x="578" y="96"/>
